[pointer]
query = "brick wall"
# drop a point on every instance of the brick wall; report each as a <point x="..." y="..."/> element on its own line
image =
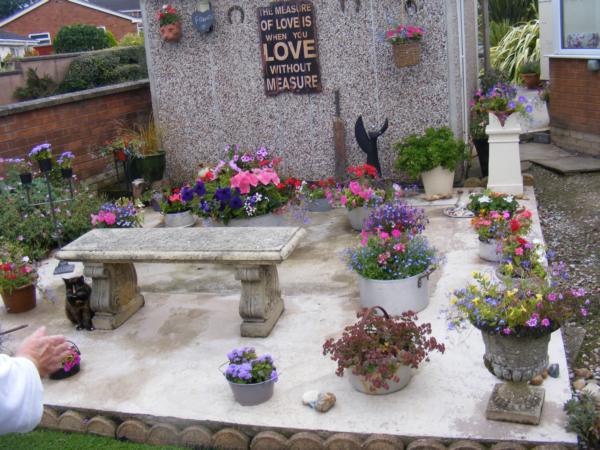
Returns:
<point x="55" y="14"/>
<point x="78" y="122"/>
<point x="575" y="105"/>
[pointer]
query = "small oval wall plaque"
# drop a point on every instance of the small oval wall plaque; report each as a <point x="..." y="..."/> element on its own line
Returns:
<point x="204" y="17"/>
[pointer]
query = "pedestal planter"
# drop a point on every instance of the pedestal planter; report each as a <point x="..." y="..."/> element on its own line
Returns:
<point x="505" y="162"/>
<point x="483" y="154"/>
<point x="66" y="173"/>
<point x="406" y="55"/>
<point x="490" y="251"/>
<point x="357" y="217"/>
<point x="180" y="220"/>
<point x="151" y="168"/>
<point x="171" y="32"/>
<point x="318" y="205"/>
<point x="395" y="296"/>
<point x="26" y="178"/>
<point x="438" y="181"/>
<point x="359" y="382"/>
<point x="516" y="360"/>
<point x="20" y="300"/>
<point x="45" y="165"/>
<point x="252" y="394"/>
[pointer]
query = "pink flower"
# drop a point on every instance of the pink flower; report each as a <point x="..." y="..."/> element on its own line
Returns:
<point x="506" y="215"/>
<point x="383" y="257"/>
<point x="519" y="251"/>
<point x="545" y="323"/>
<point x="552" y="297"/>
<point x="243" y="181"/>
<point x="507" y="331"/>
<point x="396" y="233"/>
<point x="94" y="218"/>
<point x="366" y="195"/>
<point x="399" y="248"/>
<point x="267" y="175"/>
<point x="110" y="218"/>
<point x="494" y="215"/>
<point x="584" y="312"/>
<point x="343" y="200"/>
<point x="384" y="235"/>
<point x="390" y="34"/>
<point x="355" y="187"/>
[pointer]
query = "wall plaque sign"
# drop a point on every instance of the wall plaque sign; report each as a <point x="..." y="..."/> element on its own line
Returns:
<point x="288" y="40"/>
<point x="204" y="17"/>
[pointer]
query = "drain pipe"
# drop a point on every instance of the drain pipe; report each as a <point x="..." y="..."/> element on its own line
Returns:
<point x="460" y="11"/>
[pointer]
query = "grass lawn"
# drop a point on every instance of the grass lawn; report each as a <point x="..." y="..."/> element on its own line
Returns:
<point x="57" y="440"/>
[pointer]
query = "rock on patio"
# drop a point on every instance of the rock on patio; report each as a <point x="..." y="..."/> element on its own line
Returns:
<point x="162" y="365"/>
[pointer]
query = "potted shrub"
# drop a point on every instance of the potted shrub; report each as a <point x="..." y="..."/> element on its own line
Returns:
<point x="143" y="143"/>
<point x="17" y="278"/>
<point x="380" y="351"/>
<point x="530" y="74"/>
<point x="65" y="162"/>
<point x="43" y="155"/>
<point x="318" y="194"/>
<point x="405" y="40"/>
<point x="122" y="213"/>
<point x="251" y="377"/>
<point x="70" y="364"/>
<point x="433" y="155"/>
<point x="177" y="206"/>
<point x="170" y="23"/>
<point x="516" y="324"/>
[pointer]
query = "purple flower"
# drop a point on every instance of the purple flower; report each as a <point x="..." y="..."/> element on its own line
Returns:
<point x="261" y="154"/>
<point x="247" y="158"/>
<point x="522" y="99"/>
<point x="552" y="297"/>
<point x="223" y="194"/>
<point x="584" y="312"/>
<point x="236" y="202"/>
<point x="511" y="105"/>
<point x="199" y="188"/>
<point x="545" y="323"/>
<point x="506" y="330"/>
<point x="533" y="321"/>
<point x="529" y="108"/>
<point x="187" y="194"/>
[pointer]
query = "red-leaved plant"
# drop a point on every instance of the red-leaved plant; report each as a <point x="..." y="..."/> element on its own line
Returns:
<point x="377" y="345"/>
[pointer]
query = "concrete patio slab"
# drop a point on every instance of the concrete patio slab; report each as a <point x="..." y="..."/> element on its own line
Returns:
<point x="554" y="158"/>
<point x="163" y="362"/>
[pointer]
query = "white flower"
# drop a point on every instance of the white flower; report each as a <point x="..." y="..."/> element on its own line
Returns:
<point x="25" y="259"/>
<point x="536" y="241"/>
<point x="484" y="199"/>
<point x="510" y="198"/>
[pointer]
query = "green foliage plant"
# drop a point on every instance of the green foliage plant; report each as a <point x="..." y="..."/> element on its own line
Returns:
<point x="498" y="30"/>
<point x="521" y="44"/>
<point x="437" y="147"/>
<point x="35" y="87"/>
<point x="80" y="38"/>
<point x="112" y="40"/>
<point x="513" y="11"/>
<point x="132" y="39"/>
<point x="531" y="67"/>
<point x="584" y="419"/>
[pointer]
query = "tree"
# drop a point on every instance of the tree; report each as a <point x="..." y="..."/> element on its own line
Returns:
<point x="80" y="38"/>
<point x="9" y="7"/>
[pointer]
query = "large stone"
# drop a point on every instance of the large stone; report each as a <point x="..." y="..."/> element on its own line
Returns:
<point x="230" y="439"/>
<point x="163" y="434"/>
<point x="426" y="444"/>
<point x="268" y="440"/>
<point x="583" y="373"/>
<point x="381" y="442"/>
<point x="133" y="430"/>
<point x="579" y="384"/>
<point x="305" y="441"/>
<point x="102" y="426"/>
<point x="516" y="402"/>
<point x="343" y="441"/>
<point x="195" y="436"/>
<point x="71" y="421"/>
<point x="49" y="418"/>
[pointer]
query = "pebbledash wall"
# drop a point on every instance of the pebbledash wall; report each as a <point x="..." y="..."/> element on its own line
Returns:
<point x="208" y="89"/>
<point x="79" y="122"/>
<point x="575" y="105"/>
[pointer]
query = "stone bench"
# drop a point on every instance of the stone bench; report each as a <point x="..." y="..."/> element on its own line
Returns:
<point x="108" y="256"/>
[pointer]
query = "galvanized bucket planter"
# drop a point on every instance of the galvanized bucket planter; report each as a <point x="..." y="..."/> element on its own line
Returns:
<point x="488" y="251"/>
<point x="183" y="219"/>
<point x="358" y="216"/>
<point x="318" y="205"/>
<point x="359" y="382"/>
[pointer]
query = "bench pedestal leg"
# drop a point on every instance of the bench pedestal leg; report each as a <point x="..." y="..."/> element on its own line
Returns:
<point x="115" y="293"/>
<point x="261" y="303"/>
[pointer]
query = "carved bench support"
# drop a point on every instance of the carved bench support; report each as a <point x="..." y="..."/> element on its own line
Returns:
<point x="115" y="293"/>
<point x="260" y="303"/>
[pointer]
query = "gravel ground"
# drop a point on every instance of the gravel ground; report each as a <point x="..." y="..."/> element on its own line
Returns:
<point x="569" y="209"/>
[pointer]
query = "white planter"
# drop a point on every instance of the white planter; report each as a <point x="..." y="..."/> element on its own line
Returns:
<point x="395" y="296"/>
<point x="357" y="217"/>
<point x="180" y="220"/>
<point x="490" y="251"/>
<point x="438" y="181"/>
<point x="505" y="162"/>
<point x="360" y="384"/>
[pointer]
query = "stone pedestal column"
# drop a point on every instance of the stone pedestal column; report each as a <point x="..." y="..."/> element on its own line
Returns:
<point x="115" y="293"/>
<point x="505" y="162"/>
<point x="260" y="303"/>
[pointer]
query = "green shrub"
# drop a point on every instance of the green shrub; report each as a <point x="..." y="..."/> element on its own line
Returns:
<point x="514" y="11"/>
<point x="36" y="87"/>
<point x="132" y="39"/>
<point x="498" y="30"/>
<point x="80" y="38"/>
<point x="112" y="40"/>
<point x="521" y="44"/>
<point x="584" y="420"/>
<point x="437" y="147"/>
<point x="105" y="67"/>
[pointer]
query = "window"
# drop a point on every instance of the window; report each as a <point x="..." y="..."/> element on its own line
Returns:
<point x="42" y="38"/>
<point x="577" y="27"/>
<point x="102" y="27"/>
<point x="140" y="28"/>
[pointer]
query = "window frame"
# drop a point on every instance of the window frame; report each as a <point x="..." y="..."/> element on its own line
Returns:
<point x="558" y="37"/>
<point x="49" y="38"/>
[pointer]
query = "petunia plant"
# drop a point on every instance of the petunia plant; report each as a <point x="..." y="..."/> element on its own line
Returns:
<point x="499" y="225"/>
<point x="523" y="259"/>
<point x="502" y="101"/>
<point x="483" y="203"/>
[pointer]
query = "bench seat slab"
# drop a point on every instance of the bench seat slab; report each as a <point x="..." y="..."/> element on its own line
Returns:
<point x="115" y="293"/>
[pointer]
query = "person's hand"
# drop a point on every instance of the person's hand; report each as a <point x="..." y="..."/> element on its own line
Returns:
<point x="46" y="352"/>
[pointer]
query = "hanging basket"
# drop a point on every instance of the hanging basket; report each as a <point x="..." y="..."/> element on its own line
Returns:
<point x="406" y="55"/>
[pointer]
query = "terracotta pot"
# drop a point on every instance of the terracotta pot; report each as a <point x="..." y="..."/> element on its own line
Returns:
<point x="531" y="80"/>
<point x="20" y="300"/>
<point x="171" y="32"/>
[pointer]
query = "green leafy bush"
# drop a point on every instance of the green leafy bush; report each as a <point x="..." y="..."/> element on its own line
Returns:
<point x="80" y="38"/>
<point x="498" y="30"/>
<point x="112" y="40"/>
<point x="521" y="44"/>
<point x="514" y="11"/>
<point x="106" y="67"/>
<point x="36" y="87"/>
<point x="584" y="420"/>
<point x="530" y="67"/>
<point x="132" y="39"/>
<point x="437" y="147"/>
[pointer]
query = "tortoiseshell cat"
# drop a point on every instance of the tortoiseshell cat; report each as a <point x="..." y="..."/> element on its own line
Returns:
<point x="77" y="304"/>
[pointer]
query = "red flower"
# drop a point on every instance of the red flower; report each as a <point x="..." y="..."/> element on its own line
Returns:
<point x="515" y="225"/>
<point x="264" y="163"/>
<point x="176" y="190"/>
<point x="521" y="241"/>
<point x="281" y="186"/>
<point x="208" y="176"/>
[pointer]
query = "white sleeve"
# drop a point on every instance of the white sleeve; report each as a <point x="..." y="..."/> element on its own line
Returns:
<point x="21" y="395"/>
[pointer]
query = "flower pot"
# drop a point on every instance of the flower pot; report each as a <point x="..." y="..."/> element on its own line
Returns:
<point x="483" y="154"/>
<point x="20" y="300"/>
<point x="183" y="219"/>
<point x="438" y="181"/>
<point x="358" y="216"/>
<point x="26" y="178"/>
<point x="531" y="80"/>
<point x="45" y="165"/>
<point x="61" y="373"/>
<point x="318" y="205"/>
<point x="406" y="55"/>
<point x="490" y="251"/>
<point x="395" y="296"/>
<point x="359" y="382"/>
<point x="171" y="32"/>
<point x="252" y="394"/>
<point x="151" y="168"/>
<point x="67" y="174"/>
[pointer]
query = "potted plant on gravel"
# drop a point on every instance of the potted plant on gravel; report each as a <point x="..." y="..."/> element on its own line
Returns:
<point x="170" y="23"/>
<point x="17" y="278"/>
<point x="433" y="155"/>
<point x="405" y="40"/>
<point x="380" y="351"/>
<point x="251" y="377"/>
<point x="530" y="74"/>
<point x="43" y="155"/>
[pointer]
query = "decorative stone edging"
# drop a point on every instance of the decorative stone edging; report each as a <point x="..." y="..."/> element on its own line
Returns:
<point x="227" y="437"/>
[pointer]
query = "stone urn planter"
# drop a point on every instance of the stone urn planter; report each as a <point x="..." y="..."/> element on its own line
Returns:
<point x="252" y="394"/>
<point x="318" y="205"/>
<point x="183" y="219"/>
<point x="358" y="216"/>
<point x="359" y="383"/>
<point x="438" y="181"/>
<point x="489" y="250"/>
<point x="20" y="300"/>
<point x="171" y="32"/>
<point x="396" y="296"/>
<point x="515" y="359"/>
